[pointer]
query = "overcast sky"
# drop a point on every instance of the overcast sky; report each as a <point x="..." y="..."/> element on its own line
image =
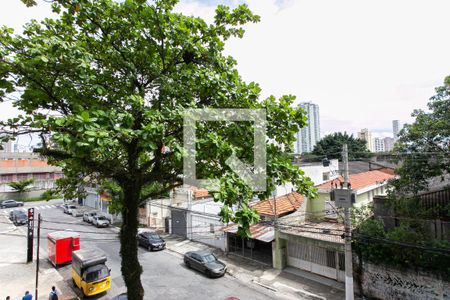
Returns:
<point x="364" y="62"/>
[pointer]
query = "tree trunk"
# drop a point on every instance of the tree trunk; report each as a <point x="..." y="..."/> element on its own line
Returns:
<point x="131" y="268"/>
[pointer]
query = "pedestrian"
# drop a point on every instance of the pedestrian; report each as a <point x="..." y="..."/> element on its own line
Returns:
<point x="8" y="298"/>
<point x="27" y="296"/>
<point x="53" y="294"/>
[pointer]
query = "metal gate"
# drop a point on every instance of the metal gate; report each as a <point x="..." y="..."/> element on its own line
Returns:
<point x="179" y="222"/>
<point x="323" y="261"/>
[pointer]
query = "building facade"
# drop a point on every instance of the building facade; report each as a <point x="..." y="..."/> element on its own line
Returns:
<point x="379" y="145"/>
<point x="388" y="144"/>
<point x="309" y="135"/>
<point x="396" y="127"/>
<point x="19" y="166"/>
<point x="366" y="135"/>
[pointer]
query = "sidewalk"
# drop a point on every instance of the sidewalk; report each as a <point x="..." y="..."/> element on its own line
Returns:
<point x="288" y="284"/>
<point x="19" y="275"/>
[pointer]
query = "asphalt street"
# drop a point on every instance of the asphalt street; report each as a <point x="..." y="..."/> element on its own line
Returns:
<point x="165" y="275"/>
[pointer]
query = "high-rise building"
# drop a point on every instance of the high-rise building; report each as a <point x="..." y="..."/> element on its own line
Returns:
<point x="309" y="135"/>
<point x="366" y="135"/>
<point x="379" y="144"/>
<point x="388" y="144"/>
<point x="396" y="127"/>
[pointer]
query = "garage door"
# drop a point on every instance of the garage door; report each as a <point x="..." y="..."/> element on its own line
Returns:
<point x="318" y="260"/>
<point x="179" y="222"/>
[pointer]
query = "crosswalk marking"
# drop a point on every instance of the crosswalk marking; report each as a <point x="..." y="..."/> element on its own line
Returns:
<point x="39" y="207"/>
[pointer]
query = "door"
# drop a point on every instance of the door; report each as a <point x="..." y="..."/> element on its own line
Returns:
<point x="179" y="222"/>
<point x="197" y="262"/>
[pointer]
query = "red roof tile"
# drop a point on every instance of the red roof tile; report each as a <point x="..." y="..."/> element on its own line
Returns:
<point x="360" y="180"/>
<point x="285" y="204"/>
<point x="199" y="193"/>
<point x="260" y="231"/>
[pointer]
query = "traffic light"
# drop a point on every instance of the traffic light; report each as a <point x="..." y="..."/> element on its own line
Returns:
<point x="30" y="214"/>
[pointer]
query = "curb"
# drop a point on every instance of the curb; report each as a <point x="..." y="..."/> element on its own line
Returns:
<point x="265" y="286"/>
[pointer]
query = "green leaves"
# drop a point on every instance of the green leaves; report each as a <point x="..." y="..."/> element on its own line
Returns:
<point x="331" y="146"/>
<point x="116" y="78"/>
<point x="425" y="143"/>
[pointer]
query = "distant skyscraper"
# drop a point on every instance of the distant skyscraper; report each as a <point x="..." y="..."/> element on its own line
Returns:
<point x="309" y="135"/>
<point x="396" y="127"/>
<point x="366" y="135"/>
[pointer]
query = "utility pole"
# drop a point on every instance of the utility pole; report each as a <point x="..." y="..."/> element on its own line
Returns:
<point x="37" y="256"/>
<point x="30" y="234"/>
<point x="348" y="234"/>
<point x="275" y="204"/>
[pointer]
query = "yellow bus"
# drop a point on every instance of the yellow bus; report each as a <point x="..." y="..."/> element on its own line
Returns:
<point x="89" y="272"/>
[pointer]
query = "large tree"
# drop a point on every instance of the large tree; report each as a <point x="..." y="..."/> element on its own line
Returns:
<point x="424" y="145"/>
<point x="331" y="146"/>
<point x="106" y="85"/>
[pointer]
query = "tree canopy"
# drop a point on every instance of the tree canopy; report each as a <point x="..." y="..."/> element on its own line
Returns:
<point x="331" y="146"/>
<point x="425" y="144"/>
<point x="106" y="85"/>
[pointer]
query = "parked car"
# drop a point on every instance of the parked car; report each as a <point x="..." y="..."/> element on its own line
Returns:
<point x="89" y="216"/>
<point x="100" y="221"/>
<point x="18" y="217"/>
<point x="122" y="296"/>
<point x="10" y="203"/>
<point x="205" y="262"/>
<point x="151" y="241"/>
<point x="70" y="209"/>
<point x="77" y="212"/>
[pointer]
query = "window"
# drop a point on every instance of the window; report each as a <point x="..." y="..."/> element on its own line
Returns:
<point x="6" y="178"/>
<point x="341" y="260"/>
<point x="331" y="259"/>
<point x="21" y="177"/>
<point x="196" y="257"/>
<point x="326" y="176"/>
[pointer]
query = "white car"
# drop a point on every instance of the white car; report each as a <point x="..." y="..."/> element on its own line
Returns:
<point x="100" y="221"/>
<point x="71" y="208"/>
<point x="89" y="217"/>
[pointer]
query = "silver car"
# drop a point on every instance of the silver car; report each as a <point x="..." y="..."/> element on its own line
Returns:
<point x="100" y="221"/>
<point x="89" y="216"/>
<point x="10" y="203"/>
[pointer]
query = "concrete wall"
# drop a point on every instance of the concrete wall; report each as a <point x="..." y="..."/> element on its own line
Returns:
<point x="380" y="282"/>
<point x="207" y="230"/>
<point x="155" y="213"/>
<point x="316" y="207"/>
<point x="17" y="196"/>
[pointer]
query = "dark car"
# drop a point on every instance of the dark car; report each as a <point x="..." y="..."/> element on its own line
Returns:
<point x="151" y="241"/>
<point x="206" y="262"/>
<point x="18" y="217"/>
<point x="122" y="296"/>
<point x="10" y="203"/>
